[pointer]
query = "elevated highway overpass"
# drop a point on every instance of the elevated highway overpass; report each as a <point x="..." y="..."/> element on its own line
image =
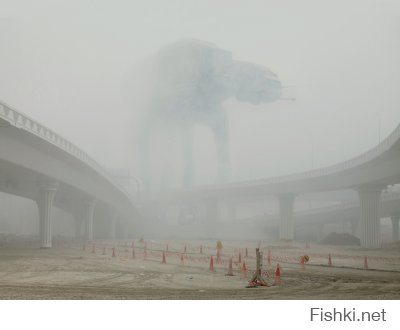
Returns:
<point x="39" y="164"/>
<point x="368" y="174"/>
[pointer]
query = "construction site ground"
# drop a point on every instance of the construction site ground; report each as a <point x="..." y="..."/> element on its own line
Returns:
<point x="73" y="270"/>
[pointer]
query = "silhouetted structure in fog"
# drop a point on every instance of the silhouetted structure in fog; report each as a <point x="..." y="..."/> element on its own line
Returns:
<point x="190" y="80"/>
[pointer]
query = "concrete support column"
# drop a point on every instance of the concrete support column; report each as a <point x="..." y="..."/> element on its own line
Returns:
<point x="369" y="216"/>
<point x="395" y="227"/>
<point x="88" y="208"/>
<point x="286" y="202"/>
<point x="47" y="191"/>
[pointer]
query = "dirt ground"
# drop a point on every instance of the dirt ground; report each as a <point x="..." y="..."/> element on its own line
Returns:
<point x="71" y="270"/>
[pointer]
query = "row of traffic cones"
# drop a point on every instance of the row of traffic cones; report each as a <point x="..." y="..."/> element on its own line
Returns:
<point x="244" y="268"/>
<point x="163" y="261"/>
<point x="145" y="243"/>
<point x="114" y="254"/>
<point x="230" y="272"/>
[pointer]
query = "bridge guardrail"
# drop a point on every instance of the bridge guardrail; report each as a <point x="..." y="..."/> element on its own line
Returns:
<point x="22" y="121"/>
<point x="346" y="165"/>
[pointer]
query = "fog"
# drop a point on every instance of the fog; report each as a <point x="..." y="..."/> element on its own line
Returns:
<point x="66" y="64"/>
<point x="174" y="99"/>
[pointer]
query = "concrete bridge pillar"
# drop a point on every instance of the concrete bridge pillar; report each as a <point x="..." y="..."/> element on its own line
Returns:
<point x="395" y="227"/>
<point x="369" y="216"/>
<point x="286" y="203"/>
<point x="47" y="191"/>
<point x="88" y="209"/>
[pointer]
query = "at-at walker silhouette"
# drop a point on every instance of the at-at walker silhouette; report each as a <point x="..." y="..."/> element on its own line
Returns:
<point x="190" y="80"/>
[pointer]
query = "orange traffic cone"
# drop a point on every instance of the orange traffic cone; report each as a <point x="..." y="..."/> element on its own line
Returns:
<point x="365" y="263"/>
<point x="240" y="258"/>
<point x="278" y="275"/>
<point x="329" y="260"/>
<point x="230" y="268"/>
<point x="104" y="251"/>
<point x="113" y="254"/>
<point x="133" y="253"/>
<point x="302" y="262"/>
<point x="244" y="269"/>
<point x="163" y="261"/>
<point x="211" y="264"/>
<point x="182" y="260"/>
<point x="269" y="257"/>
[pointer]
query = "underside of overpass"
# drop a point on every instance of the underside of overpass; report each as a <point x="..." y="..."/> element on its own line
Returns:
<point x="38" y="164"/>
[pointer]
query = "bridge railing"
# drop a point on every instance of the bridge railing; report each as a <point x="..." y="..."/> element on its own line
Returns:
<point x="22" y="121"/>
<point x="385" y="145"/>
<point x="350" y="163"/>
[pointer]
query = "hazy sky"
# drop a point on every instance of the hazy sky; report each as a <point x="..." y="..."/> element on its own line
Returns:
<point x="63" y="63"/>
